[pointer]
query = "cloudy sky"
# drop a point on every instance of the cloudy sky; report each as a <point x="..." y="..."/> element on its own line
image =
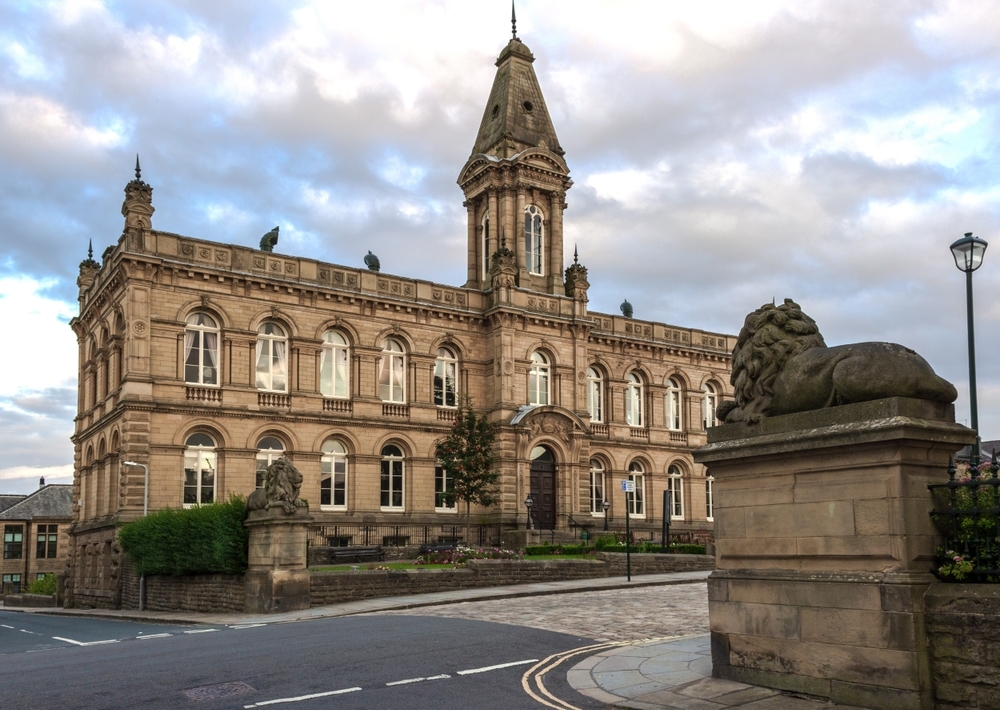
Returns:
<point x="723" y="154"/>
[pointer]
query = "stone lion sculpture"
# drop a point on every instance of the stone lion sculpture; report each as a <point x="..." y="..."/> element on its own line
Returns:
<point x="282" y="484"/>
<point x="781" y="365"/>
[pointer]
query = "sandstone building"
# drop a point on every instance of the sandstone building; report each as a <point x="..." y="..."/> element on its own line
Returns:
<point x="206" y="361"/>
<point x="36" y="538"/>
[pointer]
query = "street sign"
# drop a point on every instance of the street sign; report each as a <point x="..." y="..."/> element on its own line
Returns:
<point x="628" y="486"/>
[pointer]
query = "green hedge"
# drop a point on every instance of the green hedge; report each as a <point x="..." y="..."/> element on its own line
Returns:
<point x="45" y="585"/>
<point x="202" y="540"/>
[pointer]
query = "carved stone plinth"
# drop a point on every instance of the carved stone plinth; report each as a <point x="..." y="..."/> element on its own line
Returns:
<point x="824" y="546"/>
<point x="277" y="577"/>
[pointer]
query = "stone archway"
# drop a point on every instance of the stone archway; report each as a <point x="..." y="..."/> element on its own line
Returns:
<point x="543" y="487"/>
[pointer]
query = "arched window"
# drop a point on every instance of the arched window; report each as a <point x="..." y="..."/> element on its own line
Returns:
<point x="446" y="379"/>
<point x="199" y="470"/>
<point x="334" y="372"/>
<point x="272" y="358"/>
<point x="533" y="248"/>
<point x="392" y="372"/>
<point x="595" y="394"/>
<point x="201" y="350"/>
<point x="709" y="402"/>
<point x="675" y="484"/>
<point x="596" y="487"/>
<point x="333" y="476"/>
<point x="443" y="485"/>
<point x="538" y="379"/>
<point x="269" y="450"/>
<point x="635" y="501"/>
<point x="709" y="499"/>
<point x="673" y="408"/>
<point x="485" y="246"/>
<point x="392" y="478"/>
<point x="633" y="400"/>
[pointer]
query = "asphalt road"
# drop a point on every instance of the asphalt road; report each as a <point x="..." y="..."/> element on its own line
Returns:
<point x="373" y="661"/>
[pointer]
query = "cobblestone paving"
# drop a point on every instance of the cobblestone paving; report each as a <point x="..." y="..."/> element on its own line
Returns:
<point x="612" y="615"/>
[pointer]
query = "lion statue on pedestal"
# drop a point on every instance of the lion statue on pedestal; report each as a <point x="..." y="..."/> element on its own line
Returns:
<point x="282" y="484"/>
<point x="781" y="365"/>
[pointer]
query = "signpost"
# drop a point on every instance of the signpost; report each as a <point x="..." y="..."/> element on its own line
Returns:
<point x="628" y="487"/>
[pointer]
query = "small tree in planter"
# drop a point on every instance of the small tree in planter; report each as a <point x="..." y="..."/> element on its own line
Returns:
<point x="467" y="455"/>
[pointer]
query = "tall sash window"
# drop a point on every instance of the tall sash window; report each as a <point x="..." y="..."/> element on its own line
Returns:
<point x="392" y="372"/>
<point x="201" y="350"/>
<point x="334" y="377"/>
<point x="533" y="247"/>
<point x="272" y="358"/>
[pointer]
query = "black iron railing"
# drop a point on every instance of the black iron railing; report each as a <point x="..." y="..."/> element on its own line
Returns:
<point x="967" y="513"/>
<point x="406" y="535"/>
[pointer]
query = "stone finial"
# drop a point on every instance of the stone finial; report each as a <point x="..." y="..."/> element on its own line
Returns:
<point x="576" y="279"/>
<point x="513" y="20"/>
<point x="269" y="240"/>
<point x="372" y="262"/>
<point x="137" y="209"/>
<point x="88" y="269"/>
<point x="626" y="308"/>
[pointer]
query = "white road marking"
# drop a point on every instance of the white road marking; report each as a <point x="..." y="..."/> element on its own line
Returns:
<point x="88" y="643"/>
<point x="200" y="631"/>
<point x="417" y="680"/>
<point x="154" y="636"/>
<point x="303" y="697"/>
<point x="438" y="677"/>
<point x="247" y="626"/>
<point x="497" y="667"/>
<point x="25" y="631"/>
<point x="6" y="627"/>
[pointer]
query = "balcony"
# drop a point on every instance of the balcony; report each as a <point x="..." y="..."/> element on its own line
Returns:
<point x="637" y="433"/>
<point x="273" y="400"/>
<point x="599" y="429"/>
<point x="679" y="437"/>
<point x="447" y="415"/>
<point x="395" y="410"/>
<point x="203" y="394"/>
<point x="344" y="406"/>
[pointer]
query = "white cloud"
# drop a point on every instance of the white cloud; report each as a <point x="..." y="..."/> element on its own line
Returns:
<point x="53" y="474"/>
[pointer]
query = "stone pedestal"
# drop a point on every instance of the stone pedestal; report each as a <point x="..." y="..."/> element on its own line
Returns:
<point x="520" y="539"/>
<point x="277" y="577"/>
<point x="824" y="546"/>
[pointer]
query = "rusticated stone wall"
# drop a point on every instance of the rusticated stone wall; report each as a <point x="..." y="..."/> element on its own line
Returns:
<point x="963" y="635"/>
<point x="209" y="593"/>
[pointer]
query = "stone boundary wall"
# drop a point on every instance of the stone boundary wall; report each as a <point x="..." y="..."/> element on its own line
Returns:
<point x="210" y="593"/>
<point x="338" y="587"/>
<point x="962" y="624"/>
<point x="30" y="600"/>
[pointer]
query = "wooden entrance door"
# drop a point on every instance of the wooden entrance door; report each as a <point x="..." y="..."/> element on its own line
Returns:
<point x="543" y="488"/>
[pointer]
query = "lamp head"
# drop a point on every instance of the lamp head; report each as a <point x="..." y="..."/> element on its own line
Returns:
<point x="529" y="501"/>
<point x="129" y="463"/>
<point x="968" y="252"/>
<point x="606" y="505"/>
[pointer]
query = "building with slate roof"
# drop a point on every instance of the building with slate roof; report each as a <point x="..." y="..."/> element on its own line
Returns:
<point x="207" y="361"/>
<point x="36" y="535"/>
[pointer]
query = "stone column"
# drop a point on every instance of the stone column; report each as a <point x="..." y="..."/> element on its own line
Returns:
<point x="824" y="544"/>
<point x="277" y="577"/>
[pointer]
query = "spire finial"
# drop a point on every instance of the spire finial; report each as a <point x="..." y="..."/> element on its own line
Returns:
<point x="90" y="249"/>
<point x="513" y="20"/>
<point x="576" y="255"/>
<point x="138" y="170"/>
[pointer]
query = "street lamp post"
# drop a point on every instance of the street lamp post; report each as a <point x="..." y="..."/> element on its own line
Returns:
<point x="145" y="512"/>
<point x="606" y="505"/>
<point x="968" y="253"/>
<point x="528" y="502"/>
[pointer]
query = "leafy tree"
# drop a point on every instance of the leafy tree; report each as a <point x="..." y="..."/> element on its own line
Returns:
<point x="468" y="456"/>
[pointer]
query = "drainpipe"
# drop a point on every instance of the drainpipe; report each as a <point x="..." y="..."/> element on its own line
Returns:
<point x="145" y="512"/>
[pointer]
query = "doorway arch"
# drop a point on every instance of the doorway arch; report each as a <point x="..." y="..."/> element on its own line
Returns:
<point x="543" y="487"/>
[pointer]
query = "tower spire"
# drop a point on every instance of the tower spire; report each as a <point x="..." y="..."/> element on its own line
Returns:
<point x="90" y="250"/>
<point x="576" y="255"/>
<point x="513" y="20"/>
<point x="138" y="170"/>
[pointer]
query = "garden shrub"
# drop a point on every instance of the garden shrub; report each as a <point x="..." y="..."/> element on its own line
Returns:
<point x="205" y="539"/>
<point x="460" y="555"/>
<point x="45" y="585"/>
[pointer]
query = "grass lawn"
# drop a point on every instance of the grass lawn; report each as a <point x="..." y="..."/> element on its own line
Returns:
<point x="373" y="565"/>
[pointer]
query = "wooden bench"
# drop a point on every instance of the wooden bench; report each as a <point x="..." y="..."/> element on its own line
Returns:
<point x="374" y="553"/>
<point x="428" y="549"/>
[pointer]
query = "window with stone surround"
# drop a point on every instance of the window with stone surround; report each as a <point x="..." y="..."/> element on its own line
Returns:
<point x="636" y="501"/>
<point x="333" y="476"/>
<point x="334" y="371"/>
<point x="538" y="379"/>
<point x="393" y="467"/>
<point x="201" y="350"/>
<point x="446" y="379"/>
<point x="47" y="541"/>
<point x="533" y="240"/>
<point x="443" y="483"/>
<point x="673" y="405"/>
<point x="633" y="400"/>
<point x="14" y="579"/>
<point x="392" y="372"/>
<point x="709" y="402"/>
<point x="596" y="487"/>
<point x="272" y="358"/>
<point x="13" y="542"/>
<point x="269" y="450"/>
<point x="199" y="470"/>
<point x="595" y="395"/>
<point x="484" y="245"/>
<point x="675" y="485"/>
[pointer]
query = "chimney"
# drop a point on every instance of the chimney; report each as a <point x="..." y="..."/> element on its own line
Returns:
<point x="41" y="481"/>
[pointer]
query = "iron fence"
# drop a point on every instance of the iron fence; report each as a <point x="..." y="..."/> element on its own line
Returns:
<point x="967" y="513"/>
<point x="406" y="535"/>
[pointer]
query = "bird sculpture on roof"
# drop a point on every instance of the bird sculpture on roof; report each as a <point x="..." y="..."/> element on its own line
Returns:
<point x="269" y="240"/>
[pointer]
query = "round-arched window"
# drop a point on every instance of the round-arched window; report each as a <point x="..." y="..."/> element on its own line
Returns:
<point x="392" y="372"/>
<point x="636" y="501"/>
<point x="393" y="468"/>
<point x="675" y="484"/>
<point x="533" y="240"/>
<point x="269" y="450"/>
<point x="201" y="350"/>
<point x="595" y="394"/>
<point x="199" y="469"/>
<point x="673" y="405"/>
<point x="272" y="358"/>
<point x="538" y="379"/>
<point x="333" y="475"/>
<point x="446" y="378"/>
<point x="334" y="372"/>
<point x="596" y="487"/>
<point x="633" y="400"/>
